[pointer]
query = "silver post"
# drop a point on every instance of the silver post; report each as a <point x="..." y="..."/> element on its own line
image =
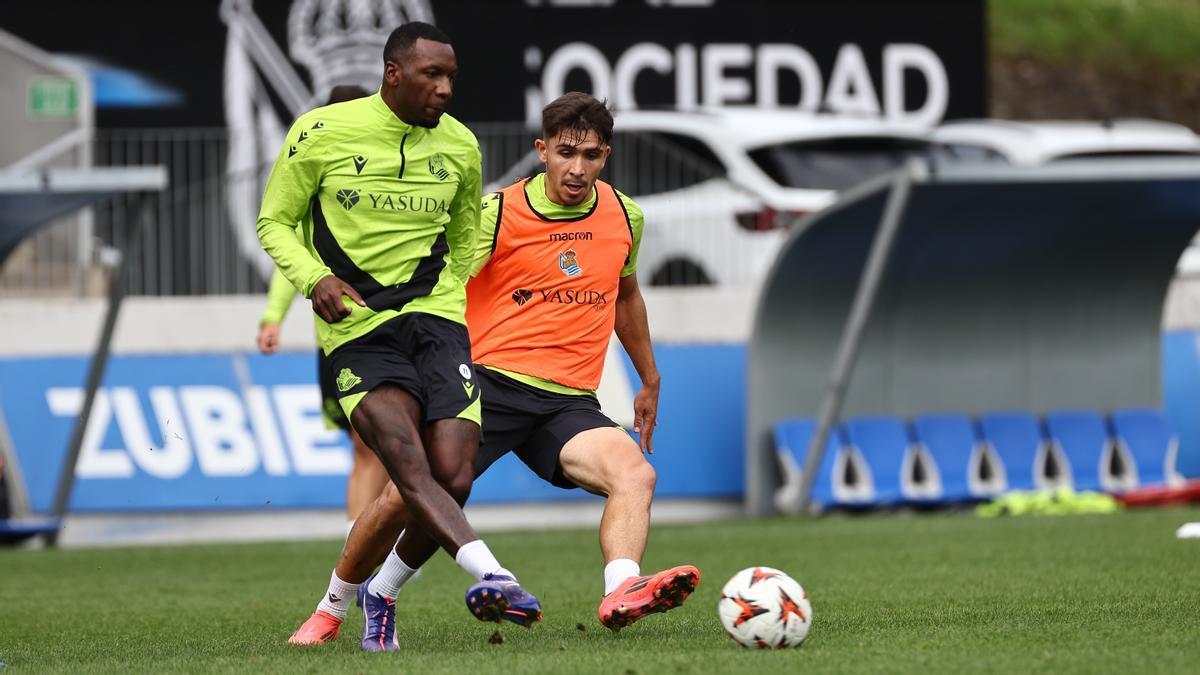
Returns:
<point x="860" y="312"/>
<point x="66" y="476"/>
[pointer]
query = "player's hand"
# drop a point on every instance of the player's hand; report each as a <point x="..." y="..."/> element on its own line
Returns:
<point x="268" y="338"/>
<point x="645" y="415"/>
<point x="327" y="299"/>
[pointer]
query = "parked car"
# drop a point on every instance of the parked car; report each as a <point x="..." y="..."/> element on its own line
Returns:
<point x="720" y="187"/>
<point x="1035" y="143"/>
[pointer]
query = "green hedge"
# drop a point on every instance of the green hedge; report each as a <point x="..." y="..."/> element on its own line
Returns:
<point x="1123" y="34"/>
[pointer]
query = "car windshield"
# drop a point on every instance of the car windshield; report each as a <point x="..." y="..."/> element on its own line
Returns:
<point x="653" y="162"/>
<point x="835" y="163"/>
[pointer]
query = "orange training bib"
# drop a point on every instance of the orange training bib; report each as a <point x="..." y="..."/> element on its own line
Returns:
<point x="545" y="303"/>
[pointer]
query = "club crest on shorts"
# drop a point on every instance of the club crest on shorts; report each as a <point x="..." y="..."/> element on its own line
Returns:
<point x="568" y="262"/>
<point x="464" y="370"/>
<point x="347" y="380"/>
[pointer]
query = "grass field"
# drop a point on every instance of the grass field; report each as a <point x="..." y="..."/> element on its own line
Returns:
<point x="941" y="593"/>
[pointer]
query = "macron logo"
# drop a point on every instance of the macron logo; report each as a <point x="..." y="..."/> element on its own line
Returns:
<point x="570" y="236"/>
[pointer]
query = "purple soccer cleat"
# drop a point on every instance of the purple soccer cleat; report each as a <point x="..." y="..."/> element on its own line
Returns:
<point x="379" y="622"/>
<point x="500" y="597"/>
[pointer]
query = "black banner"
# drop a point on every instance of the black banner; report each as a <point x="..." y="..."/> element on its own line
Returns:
<point x="169" y="63"/>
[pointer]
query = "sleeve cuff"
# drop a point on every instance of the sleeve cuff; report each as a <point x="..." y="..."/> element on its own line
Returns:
<point x="314" y="278"/>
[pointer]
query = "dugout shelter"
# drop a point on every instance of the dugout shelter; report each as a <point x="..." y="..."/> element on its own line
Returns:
<point x="956" y="288"/>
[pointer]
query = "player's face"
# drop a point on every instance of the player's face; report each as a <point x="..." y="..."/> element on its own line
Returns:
<point x="573" y="163"/>
<point x="423" y="82"/>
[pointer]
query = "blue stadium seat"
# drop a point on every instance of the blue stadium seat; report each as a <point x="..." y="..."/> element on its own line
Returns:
<point x="920" y="474"/>
<point x="1143" y="435"/>
<point x="969" y="468"/>
<point x="842" y="480"/>
<point x="1016" y="438"/>
<point x="883" y="444"/>
<point x="792" y="437"/>
<point x="1083" y="439"/>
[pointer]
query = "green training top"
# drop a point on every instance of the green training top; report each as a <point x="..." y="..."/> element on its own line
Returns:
<point x="390" y="208"/>
<point x="536" y="190"/>
<point x="280" y="295"/>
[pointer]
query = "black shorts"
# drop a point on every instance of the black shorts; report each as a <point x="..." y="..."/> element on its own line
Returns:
<point x="533" y="423"/>
<point x="425" y="355"/>
<point x="331" y="410"/>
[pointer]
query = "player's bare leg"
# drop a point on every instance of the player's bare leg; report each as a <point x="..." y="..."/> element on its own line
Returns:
<point x="378" y="541"/>
<point x="367" y="478"/>
<point x="373" y="536"/>
<point x="388" y="419"/>
<point x="451" y="461"/>
<point x="608" y="462"/>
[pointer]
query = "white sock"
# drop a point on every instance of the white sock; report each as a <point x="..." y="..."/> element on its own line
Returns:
<point x="338" y="597"/>
<point x="391" y="577"/>
<point x="617" y="571"/>
<point x="477" y="559"/>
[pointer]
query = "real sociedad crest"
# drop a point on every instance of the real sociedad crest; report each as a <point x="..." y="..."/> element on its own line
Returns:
<point x="568" y="262"/>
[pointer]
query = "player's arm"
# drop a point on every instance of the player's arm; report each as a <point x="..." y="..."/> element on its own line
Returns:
<point x="633" y="330"/>
<point x="294" y="181"/>
<point x="462" y="232"/>
<point x="489" y="221"/>
<point x="279" y="300"/>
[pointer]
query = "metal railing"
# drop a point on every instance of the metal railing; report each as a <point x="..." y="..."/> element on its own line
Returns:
<point x="189" y="247"/>
<point x="199" y="240"/>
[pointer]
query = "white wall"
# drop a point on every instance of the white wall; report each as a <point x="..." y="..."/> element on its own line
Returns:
<point x="148" y="325"/>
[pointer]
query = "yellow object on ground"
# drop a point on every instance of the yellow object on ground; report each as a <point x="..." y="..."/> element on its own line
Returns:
<point x="1058" y="502"/>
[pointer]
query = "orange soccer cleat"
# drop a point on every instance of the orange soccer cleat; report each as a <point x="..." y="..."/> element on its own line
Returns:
<point x="637" y="597"/>
<point x="320" y="628"/>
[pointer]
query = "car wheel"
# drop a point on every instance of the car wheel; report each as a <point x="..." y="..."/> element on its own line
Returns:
<point x="680" y="272"/>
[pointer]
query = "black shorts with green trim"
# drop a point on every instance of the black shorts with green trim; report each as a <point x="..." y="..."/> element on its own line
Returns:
<point x="532" y="423"/>
<point x="425" y="355"/>
<point x="331" y="410"/>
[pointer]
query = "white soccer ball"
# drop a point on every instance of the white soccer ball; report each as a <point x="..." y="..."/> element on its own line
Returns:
<point x="763" y="608"/>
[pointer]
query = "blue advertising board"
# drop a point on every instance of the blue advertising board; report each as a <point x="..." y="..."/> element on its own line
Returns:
<point x="244" y="431"/>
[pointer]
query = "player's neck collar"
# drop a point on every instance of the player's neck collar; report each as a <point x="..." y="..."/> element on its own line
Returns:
<point x="539" y="202"/>
<point x="388" y="116"/>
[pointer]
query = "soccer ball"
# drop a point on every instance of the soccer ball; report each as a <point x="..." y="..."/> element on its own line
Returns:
<point x="763" y="608"/>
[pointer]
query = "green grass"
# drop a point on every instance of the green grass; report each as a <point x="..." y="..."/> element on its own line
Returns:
<point x="943" y="593"/>
<point x="1125" y="35"/>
